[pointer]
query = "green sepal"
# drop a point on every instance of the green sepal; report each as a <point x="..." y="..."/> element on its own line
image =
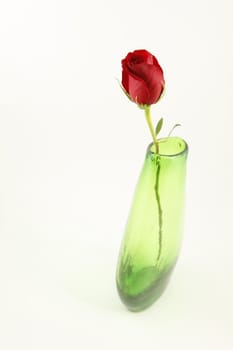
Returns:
<point x="125" y="92"/>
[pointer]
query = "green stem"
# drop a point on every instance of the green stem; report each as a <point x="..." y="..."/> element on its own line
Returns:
<point x="157" y="196"/>
<point x="160" y="211"/>
<point x="149" y="122"/>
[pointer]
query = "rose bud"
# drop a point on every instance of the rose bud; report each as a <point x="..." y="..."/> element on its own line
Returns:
<point x="142" y="77"/>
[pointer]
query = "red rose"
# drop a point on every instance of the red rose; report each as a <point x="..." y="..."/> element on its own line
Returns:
<point x="142" y="77"/>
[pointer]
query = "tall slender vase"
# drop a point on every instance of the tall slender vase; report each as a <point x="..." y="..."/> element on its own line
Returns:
<point x="153" y="233"/>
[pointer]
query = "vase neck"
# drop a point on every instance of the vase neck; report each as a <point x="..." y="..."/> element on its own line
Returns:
<point x="169" y="147"/>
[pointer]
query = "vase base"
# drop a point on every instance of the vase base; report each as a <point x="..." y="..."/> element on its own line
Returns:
<point x="136" y="302"/>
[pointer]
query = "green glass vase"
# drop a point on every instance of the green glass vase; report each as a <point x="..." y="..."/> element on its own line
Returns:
<point x="153" y="233"/>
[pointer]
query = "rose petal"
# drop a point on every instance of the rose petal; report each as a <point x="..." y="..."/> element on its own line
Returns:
<point x="135" y="87"/>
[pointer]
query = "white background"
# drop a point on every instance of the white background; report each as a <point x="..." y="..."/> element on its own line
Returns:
<point x="71" y="149"/>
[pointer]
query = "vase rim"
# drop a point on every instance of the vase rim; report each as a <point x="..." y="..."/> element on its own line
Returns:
<point x="181" y="143"/>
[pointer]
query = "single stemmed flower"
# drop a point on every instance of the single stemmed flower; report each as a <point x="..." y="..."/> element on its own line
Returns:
<point x="143" y="82"/>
